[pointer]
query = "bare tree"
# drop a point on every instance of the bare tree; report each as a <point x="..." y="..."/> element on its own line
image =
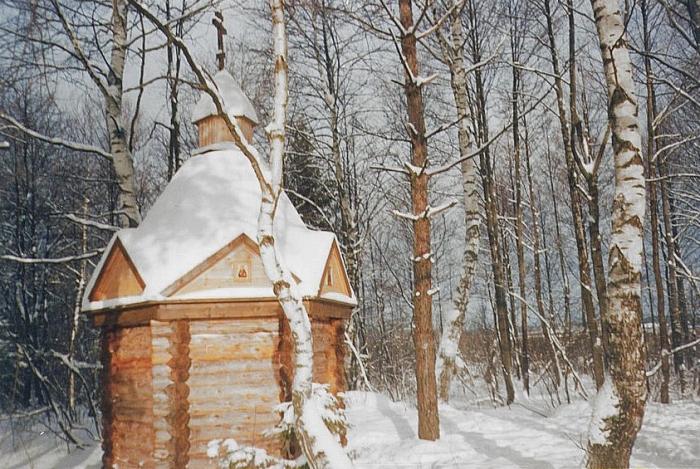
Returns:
<point x="620" y="402"/>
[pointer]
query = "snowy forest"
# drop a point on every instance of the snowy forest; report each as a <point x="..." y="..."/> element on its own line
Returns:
<point x="513" y="187"/>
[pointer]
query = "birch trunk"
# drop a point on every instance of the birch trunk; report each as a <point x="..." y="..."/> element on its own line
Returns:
<point x="620" y="403"/>
<point x="423" y="338"/>
<point x="127" y="205"/>
<point x="448" y="362"/>
<point x="321" y="449"/>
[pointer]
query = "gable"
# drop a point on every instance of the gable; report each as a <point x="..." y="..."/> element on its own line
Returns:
<point x="236" y="265"/>
<point x="118" y="277"/>
<point x="334" y="278"/>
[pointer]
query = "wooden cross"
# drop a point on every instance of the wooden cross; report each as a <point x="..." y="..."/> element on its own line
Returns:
<point x="218" y="22"/>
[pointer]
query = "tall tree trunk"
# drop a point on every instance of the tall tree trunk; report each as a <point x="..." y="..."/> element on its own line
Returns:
<point x="534" y="213"/>
<point x="654" y="212"/>
<point x="519" y="246"/>
<point x="174" y="62"/>
<point x="560" y="251"/>
<point x="127" y="205"/>
<point x="491" y="209"/>
<point x="423" y="338"/>
<point x="576" y="211"/>
<point x="620" y="403"/>
<point x="674" y="306"/>
<point x="319" y="446"/>
<point x="449" y="363"/>
<point x="597" y="252"/>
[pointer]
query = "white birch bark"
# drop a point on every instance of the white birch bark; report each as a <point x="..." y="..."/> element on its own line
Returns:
<point x="620" y="402"/>
<point x="319" y="445"/>
<point x="449" y="362"/>
<point x="122" y="161"/>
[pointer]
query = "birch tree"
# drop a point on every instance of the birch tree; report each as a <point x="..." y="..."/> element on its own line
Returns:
<point x="449" y="362"/>
<point x="619" y="406"/>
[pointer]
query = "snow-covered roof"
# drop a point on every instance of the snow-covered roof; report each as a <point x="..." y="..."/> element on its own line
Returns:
<point x="213" y="199"/>
<point x="236" y="103"/>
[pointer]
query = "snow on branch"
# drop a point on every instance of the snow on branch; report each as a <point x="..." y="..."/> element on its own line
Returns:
<point x="93" y="223"/>
<point x="429" y="212"/>
<point x="665" y="353"/>
<point x="439" y="21"/>
<point x="49" y="260"/>
<point x="54" y="141"/>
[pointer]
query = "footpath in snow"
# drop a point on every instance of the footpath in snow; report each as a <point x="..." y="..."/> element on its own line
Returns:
<point x="383" y="435"/>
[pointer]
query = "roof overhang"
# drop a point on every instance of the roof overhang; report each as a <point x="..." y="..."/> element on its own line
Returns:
<point x="239" y="308"/>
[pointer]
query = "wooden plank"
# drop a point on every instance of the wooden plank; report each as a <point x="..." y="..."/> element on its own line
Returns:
<point x="118" y="277"/>
<point x="129" y="431"/>
<point x="335" y="278"/>
<point x="213" y="129"/>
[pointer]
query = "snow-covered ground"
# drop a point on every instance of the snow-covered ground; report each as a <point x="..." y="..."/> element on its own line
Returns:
<point x="383" y="435"/>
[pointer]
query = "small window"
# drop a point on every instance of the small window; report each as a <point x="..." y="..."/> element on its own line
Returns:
<point x="329" y="278"/>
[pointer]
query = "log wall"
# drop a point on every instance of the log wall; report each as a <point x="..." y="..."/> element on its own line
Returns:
<point x="171" y="387"/>
<point x="170" y="370"/>
<point x="329" y="353"/>
<point x="128" y="434"/>
<point x="232" y="384"/>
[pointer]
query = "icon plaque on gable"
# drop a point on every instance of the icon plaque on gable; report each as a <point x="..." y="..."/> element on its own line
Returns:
<point x="242" y="272"/>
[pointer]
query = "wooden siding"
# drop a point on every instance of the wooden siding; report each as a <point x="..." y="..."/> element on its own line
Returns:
<point x="173" y="386"/>
<point x="329" y="355"/>
<point x="129" y="436"/>
<point x="118" y="277"/>
<point x="232" y="383"/>
<point x="171" y="364"/>
<point x="334" y="278"/>
<point x="213" y="129"/>
<point x="222" y="269"/>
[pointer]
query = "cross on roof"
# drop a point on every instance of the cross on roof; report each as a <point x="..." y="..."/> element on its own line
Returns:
<point x="218" y="22"/>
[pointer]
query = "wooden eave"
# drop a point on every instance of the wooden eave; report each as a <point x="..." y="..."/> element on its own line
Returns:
<point x="220" y="308"/>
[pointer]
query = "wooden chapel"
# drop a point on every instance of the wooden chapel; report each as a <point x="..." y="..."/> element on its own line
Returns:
<point x="195" y="345"/>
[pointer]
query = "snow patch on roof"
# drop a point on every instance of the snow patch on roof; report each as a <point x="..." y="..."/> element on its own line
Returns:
<point x="211" y="200"/>
<point x="236" y="103"/>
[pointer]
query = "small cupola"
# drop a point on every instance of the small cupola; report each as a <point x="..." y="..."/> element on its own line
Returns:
<point x="211" y="126"/>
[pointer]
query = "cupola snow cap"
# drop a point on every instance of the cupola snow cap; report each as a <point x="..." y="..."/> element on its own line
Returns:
<point x="236" y="103"/>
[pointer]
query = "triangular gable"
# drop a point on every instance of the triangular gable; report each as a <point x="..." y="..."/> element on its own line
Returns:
<point x="335" y="278"/>
<point x="237" y="264"/>
<point x="118" y="277"/>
